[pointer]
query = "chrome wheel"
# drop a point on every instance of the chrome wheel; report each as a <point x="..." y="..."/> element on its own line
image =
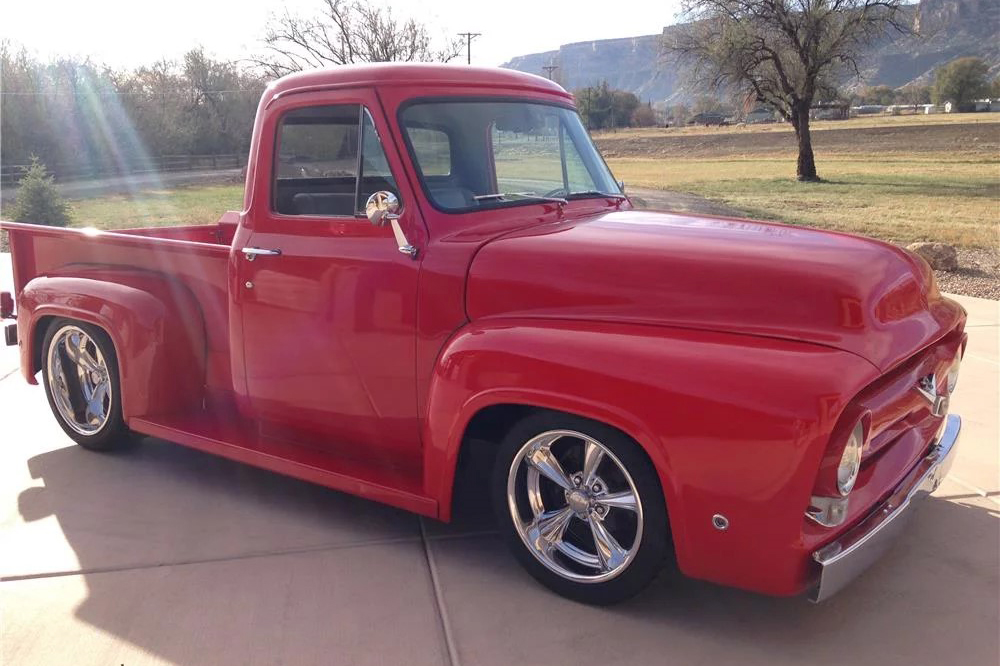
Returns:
<point x="584" y="524"/>
<point x="79" y="380"/>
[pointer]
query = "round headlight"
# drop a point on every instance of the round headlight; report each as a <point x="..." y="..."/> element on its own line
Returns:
<point x="953" y="375"/>
<point x="850" y="461"/>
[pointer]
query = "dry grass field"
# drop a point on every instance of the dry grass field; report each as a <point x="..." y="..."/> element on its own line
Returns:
<point x="860" y="122"/>
<point x="905" y="178"/>
<point x="899" y="198"/>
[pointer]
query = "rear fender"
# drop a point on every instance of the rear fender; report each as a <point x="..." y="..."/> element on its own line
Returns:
<point x="733" y="424"/>
<point x="154" y="322"/>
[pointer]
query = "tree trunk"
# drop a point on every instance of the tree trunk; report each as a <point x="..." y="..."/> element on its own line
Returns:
<point x="805" y="168"/>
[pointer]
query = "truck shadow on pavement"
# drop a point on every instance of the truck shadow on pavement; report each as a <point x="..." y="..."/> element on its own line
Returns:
<point x="156" y="530"/>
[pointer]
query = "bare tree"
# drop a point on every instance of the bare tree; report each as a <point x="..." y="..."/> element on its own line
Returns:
<point x="348" y="31"/>
<point x="785" y="53"/>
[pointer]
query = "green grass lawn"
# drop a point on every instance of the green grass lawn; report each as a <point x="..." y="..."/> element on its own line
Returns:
<point x="202" y="204"/>
<point x="902" y="198"/>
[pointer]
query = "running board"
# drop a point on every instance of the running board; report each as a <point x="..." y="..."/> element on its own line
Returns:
<point x="242" y="444"/>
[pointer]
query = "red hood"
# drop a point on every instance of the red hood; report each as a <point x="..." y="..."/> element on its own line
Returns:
<point x="739" y="276"/>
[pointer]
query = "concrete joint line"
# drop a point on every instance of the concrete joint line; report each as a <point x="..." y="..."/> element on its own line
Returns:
<point x="980" y="358"/>
<point x="439" y="598"/>
<point x="976" y="489"/>
<point x="462" y="535"/>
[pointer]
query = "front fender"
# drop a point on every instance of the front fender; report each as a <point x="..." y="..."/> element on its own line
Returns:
<point x="733" y="424"/>
<point x="154" y="323"/>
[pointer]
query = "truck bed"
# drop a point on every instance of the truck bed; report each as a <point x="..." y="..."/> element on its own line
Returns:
<point x="195" y="256"/>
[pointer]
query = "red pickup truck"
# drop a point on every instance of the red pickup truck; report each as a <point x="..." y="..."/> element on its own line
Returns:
<point x="434" y="265"/>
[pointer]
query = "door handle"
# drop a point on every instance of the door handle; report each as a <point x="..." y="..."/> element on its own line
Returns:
<point x="252" y="253"/>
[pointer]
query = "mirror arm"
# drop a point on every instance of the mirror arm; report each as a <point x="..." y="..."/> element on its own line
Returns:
<point x="401" y="242"/>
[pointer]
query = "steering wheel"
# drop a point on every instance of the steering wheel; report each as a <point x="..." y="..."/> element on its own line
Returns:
<point x="556" y="192"/>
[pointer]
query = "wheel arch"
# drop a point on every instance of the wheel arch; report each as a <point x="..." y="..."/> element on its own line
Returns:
<point x="489" y="425"/>
<point x="39" y="325"/>
<point x="151" y="326"/>
<point x="36" y="337"/>
<point x="491" y="415"/>
<point x="733" y="424"/>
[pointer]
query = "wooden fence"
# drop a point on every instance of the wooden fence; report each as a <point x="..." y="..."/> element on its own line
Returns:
<point x="10" y="174"/>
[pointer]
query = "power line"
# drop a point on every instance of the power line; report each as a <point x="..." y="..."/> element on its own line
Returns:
<point x="469" y="36"/>
<point x="549" y="69"/>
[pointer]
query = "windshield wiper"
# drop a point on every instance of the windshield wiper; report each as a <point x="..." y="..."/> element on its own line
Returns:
<point x="582" y="194"/>
<point x="525" y="195"/>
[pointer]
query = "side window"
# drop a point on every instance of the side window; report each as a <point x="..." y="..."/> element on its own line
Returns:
<point x="375" y="174"/>
<point x="433" y="150"/>
<point x="317" y="161"/>
<point x="328" y="161"/>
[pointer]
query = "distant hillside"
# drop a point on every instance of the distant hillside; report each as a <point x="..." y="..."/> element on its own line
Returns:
<point x="949" y="29"/>
<point x="630" y="63"/>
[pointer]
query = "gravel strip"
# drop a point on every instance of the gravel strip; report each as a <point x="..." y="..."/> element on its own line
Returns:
<point x="978" y="274"/>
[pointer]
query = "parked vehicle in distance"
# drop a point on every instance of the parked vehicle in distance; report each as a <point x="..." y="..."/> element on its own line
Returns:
<point x="709" y="118"/>
<point x="434" y="266"/>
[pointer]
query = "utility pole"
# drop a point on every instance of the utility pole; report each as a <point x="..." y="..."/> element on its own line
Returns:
<point x="549" y="69"/>
<point x="469" y="36"/>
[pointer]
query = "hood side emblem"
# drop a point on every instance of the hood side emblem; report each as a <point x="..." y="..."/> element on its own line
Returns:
<point x="927" y="386"/>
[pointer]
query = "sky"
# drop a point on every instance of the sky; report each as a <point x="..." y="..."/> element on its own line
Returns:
<point x="128" y="33"/>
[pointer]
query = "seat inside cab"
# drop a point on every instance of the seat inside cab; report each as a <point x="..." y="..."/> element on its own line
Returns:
<point x="329" y="161"/>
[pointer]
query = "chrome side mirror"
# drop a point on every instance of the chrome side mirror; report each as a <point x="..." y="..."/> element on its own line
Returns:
<point x="382" y="207"/>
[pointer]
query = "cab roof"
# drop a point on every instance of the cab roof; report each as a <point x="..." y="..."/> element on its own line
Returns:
<point x="412" y="74"/>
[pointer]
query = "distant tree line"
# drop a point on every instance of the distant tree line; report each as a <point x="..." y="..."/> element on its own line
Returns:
<point x="602" y="107"/>
<point x="964" y="80"/>
<point x="960" y="81"/>
<point x="887" y="95"/>
<point x="77" y="114"/>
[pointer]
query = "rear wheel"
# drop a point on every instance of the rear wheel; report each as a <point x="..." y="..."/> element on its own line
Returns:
<point x="581" y="507"/>
<point x="80" y="373"/>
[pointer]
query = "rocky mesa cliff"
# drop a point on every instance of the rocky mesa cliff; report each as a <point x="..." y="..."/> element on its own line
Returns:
<point x="947" y="29"/>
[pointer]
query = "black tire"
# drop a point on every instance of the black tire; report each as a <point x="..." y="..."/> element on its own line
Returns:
<point x="113" y="434"/>
<point x="654" y="540"/>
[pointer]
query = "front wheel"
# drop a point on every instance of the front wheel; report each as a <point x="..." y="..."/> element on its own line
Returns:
<point x="581" y="507"/>
<point x="80" y="373"/>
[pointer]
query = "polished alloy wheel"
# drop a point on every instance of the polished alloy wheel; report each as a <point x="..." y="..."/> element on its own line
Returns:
<point x="584" y="524"/>
<point x="79" y="380"/>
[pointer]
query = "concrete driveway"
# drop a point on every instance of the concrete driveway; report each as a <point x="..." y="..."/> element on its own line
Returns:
<point x="163" y="555"/>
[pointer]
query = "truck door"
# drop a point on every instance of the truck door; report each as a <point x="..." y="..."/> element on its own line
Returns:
<point x="328" y="300"/>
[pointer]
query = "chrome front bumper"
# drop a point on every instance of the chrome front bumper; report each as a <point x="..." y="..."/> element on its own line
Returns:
<point x="844" y="559"/>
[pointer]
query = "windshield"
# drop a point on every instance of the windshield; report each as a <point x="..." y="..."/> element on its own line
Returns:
<point x="479" y="155"/>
